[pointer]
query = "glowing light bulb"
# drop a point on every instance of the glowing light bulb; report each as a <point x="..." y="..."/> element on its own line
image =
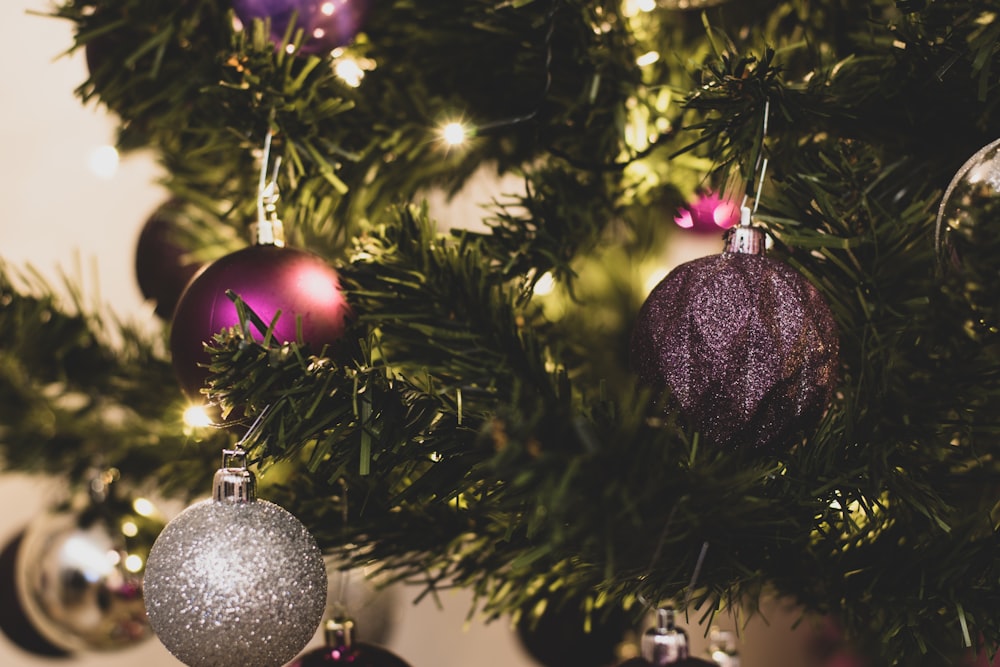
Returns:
<point x="545" y="284"/>
<point x="129" y="529"/>
<point x="133" y="563"/>
<point x="327" y="8"/>
<point x="103" y="162"/>
<point x="143" y="507"/>
<point x="349" y="71"/>
<point x="454" y="133"/>
<point x="195" y="416"/>
<point x="648" y="58"/>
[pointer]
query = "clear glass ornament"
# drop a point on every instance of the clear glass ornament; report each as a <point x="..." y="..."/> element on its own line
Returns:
<point x="967" y="237"/>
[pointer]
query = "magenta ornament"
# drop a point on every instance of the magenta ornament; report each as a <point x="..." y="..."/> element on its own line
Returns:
<point x="301" y="285"/>
<point x="708" y="213"/>
<point x="342" y="649"/>
<point x="326" y="24"/>
<point x="744" y="343"/>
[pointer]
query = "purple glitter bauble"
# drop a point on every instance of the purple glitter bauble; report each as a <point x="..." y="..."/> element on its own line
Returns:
<point x="357" y="654"/>
<point x="745" y="344"/>
<point x="326" y="24"/>
<point x="269" y="279"/>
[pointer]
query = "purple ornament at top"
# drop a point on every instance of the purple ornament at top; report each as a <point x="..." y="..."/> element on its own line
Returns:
<point x="326" y="24"/>
<point x="708" y="213"/>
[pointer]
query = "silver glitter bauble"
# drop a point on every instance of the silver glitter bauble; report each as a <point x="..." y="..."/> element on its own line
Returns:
<point x="744" y="343"/>
<point x="79" y="573"/>
<point x="235" y="581"/>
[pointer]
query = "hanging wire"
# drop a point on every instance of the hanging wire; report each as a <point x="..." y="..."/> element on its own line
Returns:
<point x="759" y="171"/>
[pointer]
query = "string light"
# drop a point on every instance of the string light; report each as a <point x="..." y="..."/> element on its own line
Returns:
<point x="454" y="133"/>
<point x="196" y="417"/>
<point x="647" y="58"/>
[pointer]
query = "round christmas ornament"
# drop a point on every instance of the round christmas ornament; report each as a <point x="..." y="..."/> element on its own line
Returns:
<point x="14" y="621"/>
<point x="745" y="345"/>
<point x="271" y="279"/>
<point x="967" y="236"/>
<point x="325" y="24"/>
<point x="79" y="571"/>
<point x="708" y="213"/>
<point x="234" y="580"/>
<point x="342" y="649"/>
<point x="559" y="637"/>
<point x="162" y="268"/>
<point x="664" y="644"/>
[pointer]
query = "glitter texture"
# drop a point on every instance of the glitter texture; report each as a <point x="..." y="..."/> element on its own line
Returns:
<point x="235" y="584"/>
<point x="746" y="345"/>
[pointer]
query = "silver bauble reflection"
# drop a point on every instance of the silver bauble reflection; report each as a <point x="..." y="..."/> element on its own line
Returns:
<point x="79" y="574"/>
<point x="235" y="580"/>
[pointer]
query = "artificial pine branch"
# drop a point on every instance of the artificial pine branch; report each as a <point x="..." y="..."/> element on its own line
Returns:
<point x="484" y="442"/>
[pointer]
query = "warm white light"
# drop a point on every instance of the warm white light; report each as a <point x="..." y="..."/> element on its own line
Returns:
<point x="349" y="71"/>
<point x="103" y="162"/>
<point x="545" y="284"/>
<point x="454" y="134"/>
<point x="648" y="58"/>
<point x="129" y="529"/>
<point x="327" y="9"/>
<point x="319" y="33"/>
<point x="143" y="507"/>
<point x="133" y="563"/>
<point x="645" y="5"/>
<point x="196" y="417"/>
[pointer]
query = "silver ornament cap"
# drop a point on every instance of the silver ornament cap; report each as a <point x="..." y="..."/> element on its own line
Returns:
<point x="234" y="484"/>
<point x="664" y="644"/>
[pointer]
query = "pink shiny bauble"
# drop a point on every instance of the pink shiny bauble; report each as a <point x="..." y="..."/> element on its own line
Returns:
<point x="299" y="284"/>
<point x="358" y="654"/>
<point x="708" y="213"/>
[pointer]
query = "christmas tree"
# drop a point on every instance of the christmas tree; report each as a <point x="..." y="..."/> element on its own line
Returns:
<point x="492" y="406"/>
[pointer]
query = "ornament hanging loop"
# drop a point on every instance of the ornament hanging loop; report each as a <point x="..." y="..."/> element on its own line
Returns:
<point x="268" y="229"/>
<point x="759" y="172"/>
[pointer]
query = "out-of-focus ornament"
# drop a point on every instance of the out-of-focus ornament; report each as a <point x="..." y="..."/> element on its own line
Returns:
<point x="270" y="279"/>
<point x="80" y="570"/>
<point x="560" y="636"/>
<point x="722" y="647"/>
<point x="744" y="343"/>
<point x="325" y="24"/>
<point x="967" y="236"/>
<point x="162" y="267"/>
<point x="371" y="608"/>
<point x="234" y="580"/>
<point x="664" y="644"/>
<point x="708" y="213"/>
<point x="14" y="621"/>
<point x="342" y="649"/>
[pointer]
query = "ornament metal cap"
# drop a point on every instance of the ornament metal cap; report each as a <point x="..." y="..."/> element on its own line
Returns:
<point x="745" y="237"/>
<point x="664" y="644"/>
<point x="234" y="484"/>
<point x="339" y="632"/>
